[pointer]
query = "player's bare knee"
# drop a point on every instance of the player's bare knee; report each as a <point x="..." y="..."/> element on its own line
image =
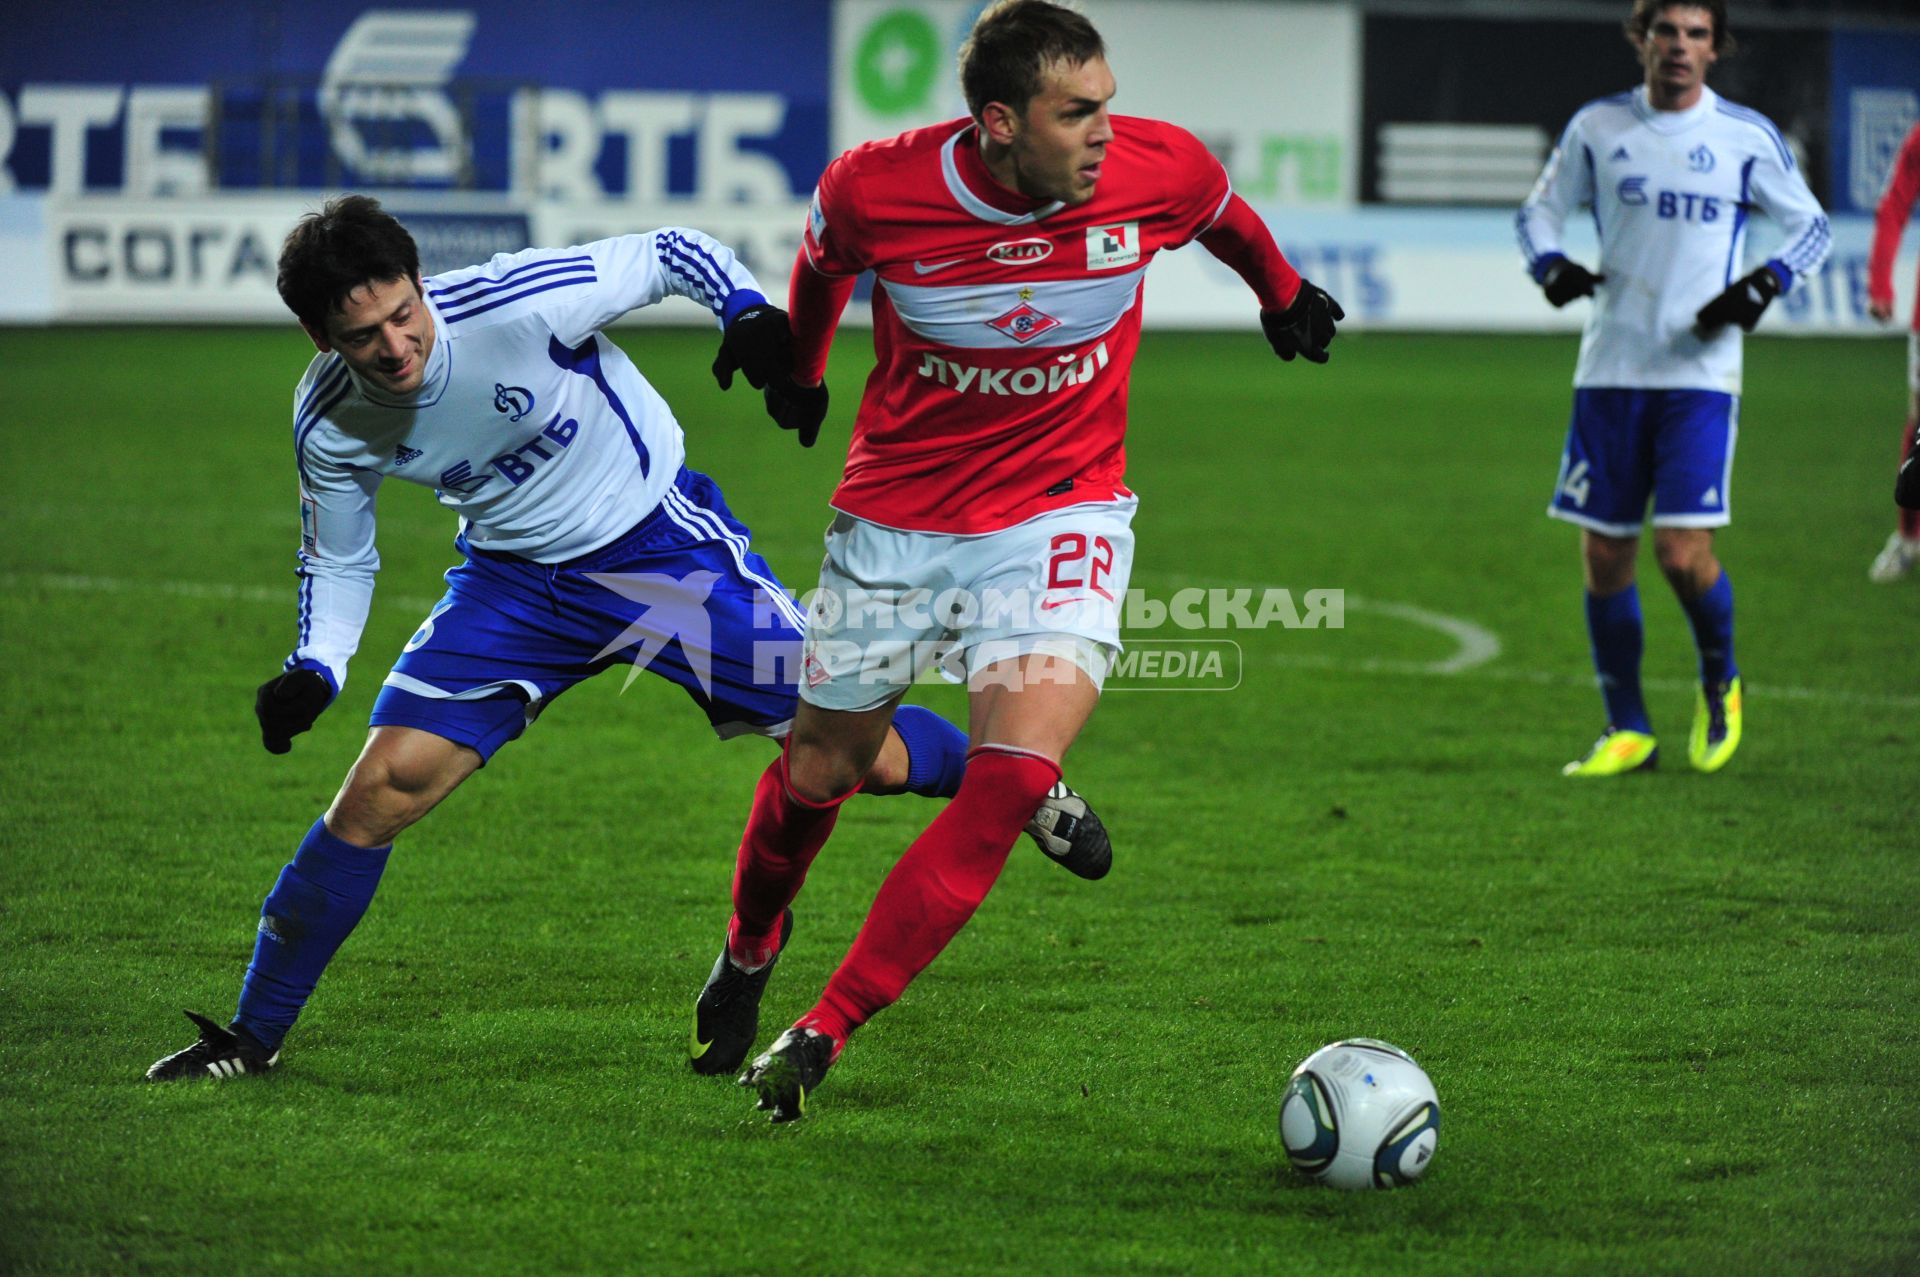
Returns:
<point x="397" y="779"/>
<point x="891" y="770"/>
<point x="820" y="774"/>
<point x="370" y="810"/>
<point x="1686" y="560"/>
<point x="367" y="815"/>
<point x="1609" y="564"/>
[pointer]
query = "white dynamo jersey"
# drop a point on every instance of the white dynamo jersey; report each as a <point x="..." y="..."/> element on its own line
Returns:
<point x="539" y="431"/>
<point x="1672" y="193"/>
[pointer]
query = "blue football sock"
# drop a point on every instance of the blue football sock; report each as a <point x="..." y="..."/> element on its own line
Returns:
<point x="1613" y="623"/>
<point x="1712" y="617"/>
<point x="936" y="751"/>
<point x="320" y="896"/>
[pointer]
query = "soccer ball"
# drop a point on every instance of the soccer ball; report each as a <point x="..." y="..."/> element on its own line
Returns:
<point x="1360" y="1114"/>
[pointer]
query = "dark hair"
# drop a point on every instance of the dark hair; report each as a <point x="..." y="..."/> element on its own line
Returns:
<point x="1640" y="21"/>
<point x="1014" y="43"/>
<point x="349" y="243"/>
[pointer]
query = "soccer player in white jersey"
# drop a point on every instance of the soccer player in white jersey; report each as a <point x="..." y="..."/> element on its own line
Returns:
<point x="986" y="473"/>
<point x="1672" y="173"/>
<point x="588" y="544"/>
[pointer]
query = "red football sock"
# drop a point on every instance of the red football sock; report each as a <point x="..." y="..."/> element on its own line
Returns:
<point x="784" y="833"/>
<point x="1909" y="519"/>
<point x="936" y="886"/>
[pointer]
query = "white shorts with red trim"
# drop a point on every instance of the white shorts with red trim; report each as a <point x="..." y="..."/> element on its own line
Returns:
<point x="891" y="602"/>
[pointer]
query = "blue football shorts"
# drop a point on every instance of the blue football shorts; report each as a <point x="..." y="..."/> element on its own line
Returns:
<point x="1626" y="445"/>
<point x="681" y="595"/>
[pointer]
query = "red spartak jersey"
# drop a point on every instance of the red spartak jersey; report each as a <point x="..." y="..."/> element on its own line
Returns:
<point x="1004" y="329"/>
<point x="1896" y="205"/>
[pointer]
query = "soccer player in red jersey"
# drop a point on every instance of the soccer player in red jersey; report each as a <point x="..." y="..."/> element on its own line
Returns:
<point x="984" y="500"/>
<point x="1902" y="551"/>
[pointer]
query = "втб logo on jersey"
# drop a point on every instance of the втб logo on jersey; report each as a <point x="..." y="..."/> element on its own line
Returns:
<point x="1049" y="377"/>
<point x="517" y="465"/>
<point x="1021" y="252"/>
<point x="515" y="401"/>
<point x="1633" y="190"/>
<point x="460" y="479"/>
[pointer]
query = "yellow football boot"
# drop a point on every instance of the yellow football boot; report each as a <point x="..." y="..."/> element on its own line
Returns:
<point x="1716" y="727"/>
<point x="1616" y="753"/>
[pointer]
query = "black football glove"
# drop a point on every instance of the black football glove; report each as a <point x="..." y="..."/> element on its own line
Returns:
<point x="800" y="408"/>
<point x="1906" y="489"/>
<point x="287" y="704"/>
<point x="758" y="343"/>
<point x="1566" y="280"/>
<point x="1745" y="300"/>
<point x="1304" y="328"/>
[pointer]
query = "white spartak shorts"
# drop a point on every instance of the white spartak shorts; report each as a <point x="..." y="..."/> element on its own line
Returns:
<point x="892" y="603"/>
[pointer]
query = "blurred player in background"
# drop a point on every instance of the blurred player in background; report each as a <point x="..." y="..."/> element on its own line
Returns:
<point x="1902" y="551"/>
<point x="589" y="544"/>
<point x="987" y="462"/>
<point x="1671" y="172"/>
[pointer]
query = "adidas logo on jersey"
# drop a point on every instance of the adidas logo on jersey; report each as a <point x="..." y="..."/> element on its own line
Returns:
<point x="403" y="454"/>
<point x="1057" y="374"/>
<point x="1711" y="496"/>
<point x="1619" y="153"/>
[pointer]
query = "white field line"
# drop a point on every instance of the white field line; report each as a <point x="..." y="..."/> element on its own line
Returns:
<point x="1474" y="645"/>
<point x="286" y="596"/>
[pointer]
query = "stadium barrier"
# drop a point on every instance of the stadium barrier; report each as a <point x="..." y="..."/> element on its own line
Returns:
<point x="211" y="259"/>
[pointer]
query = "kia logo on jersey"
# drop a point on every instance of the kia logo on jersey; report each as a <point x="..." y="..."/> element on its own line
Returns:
<point x="1021" y="251"/>
<point x="1110" y="246"/>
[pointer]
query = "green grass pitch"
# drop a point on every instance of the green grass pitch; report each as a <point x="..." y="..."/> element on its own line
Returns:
<point x="1672" y="1020"/>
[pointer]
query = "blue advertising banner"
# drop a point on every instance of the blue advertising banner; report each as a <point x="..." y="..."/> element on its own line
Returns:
<point x="1876" y="99"/>
<point x="644" y="100"/>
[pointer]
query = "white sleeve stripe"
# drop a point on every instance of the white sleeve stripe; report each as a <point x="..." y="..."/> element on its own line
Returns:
<point x="817" y="268"/>
<point x="1208" y="225"/>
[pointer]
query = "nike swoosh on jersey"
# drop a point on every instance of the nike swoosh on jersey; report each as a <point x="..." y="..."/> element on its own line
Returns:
<point x="927" y="268"/>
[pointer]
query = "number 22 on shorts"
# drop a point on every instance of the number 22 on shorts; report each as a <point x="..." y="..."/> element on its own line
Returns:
<point x="1068" y="552"/>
